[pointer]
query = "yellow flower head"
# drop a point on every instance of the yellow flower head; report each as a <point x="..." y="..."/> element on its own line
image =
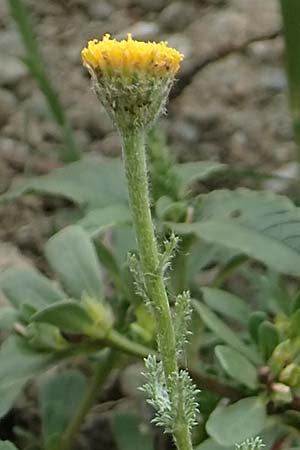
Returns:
<point x="129" y="56"/>
<point x="132" y="79"/>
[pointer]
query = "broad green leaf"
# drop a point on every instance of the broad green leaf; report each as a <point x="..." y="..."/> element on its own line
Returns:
<point x="8" y="317"/>
<point x="90" y="183"/>
<point x="130" y="432"/>
<point x="9" y="395"/>
<point x="69" y="316"/>
<point x="7" y="445"/>
<point x="215" y="324"/>
<point x="123" y="242"/>
<point x="278" y="256"/>
<point x="99" y="220"/>
<point x="227" y="304"/>
<point x="27" y="286"/>
<point x="254" y="320"/>
<point x="18" y="361"/>
<point x="59" y="396"/>
<point x="295" y="303"/>
<point x="109" y="262"/>
<point x="261" y="225"/>
<point x="72" y="256"/>
<point x="210" y="444"/>
<point x="270" y="290"/>
<point x="44" y="337"/>
<point x="237" y="422"/>
<point x="268" y="338"/>
<point x="203" y="254"/>
<point x="237" y="366"/>
<point x="18" y="364"/>
<point x="189" y="172"/>
<point x="245" y="206"/>
<point x="294" y="325"/>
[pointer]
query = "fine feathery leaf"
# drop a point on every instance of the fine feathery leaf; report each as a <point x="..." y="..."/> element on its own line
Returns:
<point x="184" y="398"/>
<point x="250" y="444"/>
<point x="156" y="391"/>
<point x="170" y="247"/>
<point x="174" y="405"/>
<point x="138" y="277"/>
<point x="182" y="317"/>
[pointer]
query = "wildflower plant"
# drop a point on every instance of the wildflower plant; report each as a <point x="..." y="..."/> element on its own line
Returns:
<point x="132" y="80"/>
<point x="146" y="273"/>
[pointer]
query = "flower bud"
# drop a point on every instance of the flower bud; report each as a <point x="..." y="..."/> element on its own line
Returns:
<point x="132" y="79"/>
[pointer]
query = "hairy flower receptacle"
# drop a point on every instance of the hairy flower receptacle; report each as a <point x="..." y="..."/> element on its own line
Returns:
<point x="132" y="79"/>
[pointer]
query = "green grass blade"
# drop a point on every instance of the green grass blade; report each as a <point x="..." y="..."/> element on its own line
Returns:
<point x="291" y="24"/>
<point x="36" y="67"/>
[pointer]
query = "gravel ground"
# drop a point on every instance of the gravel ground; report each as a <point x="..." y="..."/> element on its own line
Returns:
<point x="233" y="108"/>
<point x="229" y="102"/>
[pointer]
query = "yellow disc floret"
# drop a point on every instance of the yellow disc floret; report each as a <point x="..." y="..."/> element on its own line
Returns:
<point x="132" y="79"/>
<point x="130" y="56"/>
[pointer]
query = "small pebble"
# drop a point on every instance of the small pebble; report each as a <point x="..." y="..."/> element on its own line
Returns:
<point x="12" y="71"/>
<point x="100" y="10"/>
<point x="151" y="5"/>
<point x="288" y="172"/>
<point x="177" y="15"/>
<point x="143" y="31"/>
<point x="8" y="103"/>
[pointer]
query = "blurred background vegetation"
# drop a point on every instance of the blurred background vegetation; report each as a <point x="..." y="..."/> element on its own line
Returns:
<point x="230" y="104"/>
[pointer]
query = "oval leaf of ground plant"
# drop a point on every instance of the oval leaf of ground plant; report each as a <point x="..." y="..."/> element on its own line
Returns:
<point x="8" y="396"/>
<point x="109" y="262"/>
<point x="269" y="251"/>
<point x="220" y="329"/>
<point x="7" y="445"/>
<point x="227" y="304"/>
<point x="237" y="422"/>
<point x="90" y="183"/>
<point x="98" y="220"/>
<point x="59" y="397"/>
<point x="237" y="366"/>
<point x="211" y="444"/>
<point x="69" y="316"/>
<point x="130" y="432"/>
<point x="245" y="206"/>
<point x="72" y="256"/>
<point x="268" y="338"/>
<point x="27" y="286"/>
<point x="18" y="364"/>
<point x="8" y="317"/>
<point x="190" y="172"/>
<point x="259" y="224"/>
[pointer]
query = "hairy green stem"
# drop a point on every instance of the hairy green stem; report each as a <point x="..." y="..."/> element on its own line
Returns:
<point x="102" y="371"/>
<point x="137" y="180"/>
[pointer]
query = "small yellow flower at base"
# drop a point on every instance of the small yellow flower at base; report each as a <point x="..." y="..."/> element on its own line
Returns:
<point x="131" y="78"/>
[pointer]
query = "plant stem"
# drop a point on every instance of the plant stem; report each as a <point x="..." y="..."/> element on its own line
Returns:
<point x="136" y="173"/>
<point x="117" y="340"/>
<point x="102" y="370"/>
